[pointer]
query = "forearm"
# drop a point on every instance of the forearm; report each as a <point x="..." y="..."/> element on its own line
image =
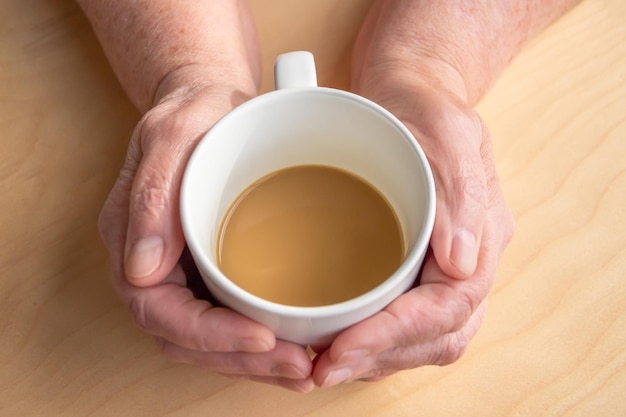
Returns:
<point x="158" y="46"/>
<point x="468" y="43"/>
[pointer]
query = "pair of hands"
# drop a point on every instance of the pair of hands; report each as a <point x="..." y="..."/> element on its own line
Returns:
<point x="431" y="324"/>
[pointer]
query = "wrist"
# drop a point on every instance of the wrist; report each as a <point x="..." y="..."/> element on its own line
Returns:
<point x="235" y="84"/>
<point x="378" y="77"/>
<point x="155" y="46"/>
<point x="385" y="56"/>
<point x="424" y="41"/>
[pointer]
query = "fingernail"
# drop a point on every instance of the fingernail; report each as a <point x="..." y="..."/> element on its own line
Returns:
<point x="352" y="356"/>
<point x="337" y="377"/>
<point x="303" y="385"/>
<point x="288" y="370"/>
<point x="464" y="251"/>
<point x="144" y="257"/>
<point x="252" y="345"/>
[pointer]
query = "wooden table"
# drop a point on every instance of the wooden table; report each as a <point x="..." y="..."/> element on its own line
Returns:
<point x="554" y="339"/>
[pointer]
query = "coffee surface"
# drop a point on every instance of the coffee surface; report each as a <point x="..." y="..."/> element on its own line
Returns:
<point x="309" y="236"/>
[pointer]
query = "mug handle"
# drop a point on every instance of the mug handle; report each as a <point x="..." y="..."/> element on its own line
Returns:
<point x="295" y="70"/>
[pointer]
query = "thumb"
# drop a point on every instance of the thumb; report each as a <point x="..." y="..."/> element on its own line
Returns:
<point x="154" y="237"/>
<point x="462" y="196"/>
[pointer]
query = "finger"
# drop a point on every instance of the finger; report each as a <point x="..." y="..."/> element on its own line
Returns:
<point x="440" y="305"/>
<point x="167" y="136"/>
<point x="443" y="350"/>
<point x="454" y="149"/>
<point x="286" y="361"/>
<point x="170" y="311"/>
<point x="154" y="238"/>
<point x="451" y="136"/>
<point x="431" y="324"/>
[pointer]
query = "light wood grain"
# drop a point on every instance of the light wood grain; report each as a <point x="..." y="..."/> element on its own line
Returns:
<point x="553" y="341"/>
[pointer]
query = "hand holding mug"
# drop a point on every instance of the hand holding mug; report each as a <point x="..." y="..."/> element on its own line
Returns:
<point x="140" y="226"/>
<point x="433" y="323"/>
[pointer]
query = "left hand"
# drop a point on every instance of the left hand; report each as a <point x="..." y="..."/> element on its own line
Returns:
<point x="433" y="323"/>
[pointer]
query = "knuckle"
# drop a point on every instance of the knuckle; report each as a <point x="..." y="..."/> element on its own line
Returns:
<point x="462" y="311"/>
<point x="409" y="323"/>
<point x="453" y="349"/>
<point x="470" y="185"/>
<point x="163" y="137"/>
<point x="454" y="344"/>
<point x="459" y="135"/>
<point x="464" y="304"/>
<point x="150" y="197"/>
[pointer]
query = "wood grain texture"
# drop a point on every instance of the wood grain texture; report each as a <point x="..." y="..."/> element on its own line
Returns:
<point x="553" y="339"/>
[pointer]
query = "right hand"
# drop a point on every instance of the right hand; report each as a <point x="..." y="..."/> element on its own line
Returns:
<point x="141" y="229"/>
<point x="408" y="72"/>
<point x="434" y="322"/>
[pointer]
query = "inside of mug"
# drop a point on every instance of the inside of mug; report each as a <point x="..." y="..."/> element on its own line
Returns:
<point x="314" y="126"/>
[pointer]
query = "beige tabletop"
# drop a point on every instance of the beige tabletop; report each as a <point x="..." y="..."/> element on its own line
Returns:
<point x="554" y="339"/>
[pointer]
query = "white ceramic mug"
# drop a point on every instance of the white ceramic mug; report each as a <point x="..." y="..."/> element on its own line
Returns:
<point x="302" y="124"/>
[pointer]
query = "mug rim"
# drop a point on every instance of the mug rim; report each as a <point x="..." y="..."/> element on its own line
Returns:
<point x="390" y="283"/>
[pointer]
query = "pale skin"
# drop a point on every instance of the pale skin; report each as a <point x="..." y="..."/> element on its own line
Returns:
<point x="184" y="64"/>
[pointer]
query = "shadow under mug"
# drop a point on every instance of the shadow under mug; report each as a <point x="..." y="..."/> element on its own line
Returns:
<point x="302" y="124"/>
